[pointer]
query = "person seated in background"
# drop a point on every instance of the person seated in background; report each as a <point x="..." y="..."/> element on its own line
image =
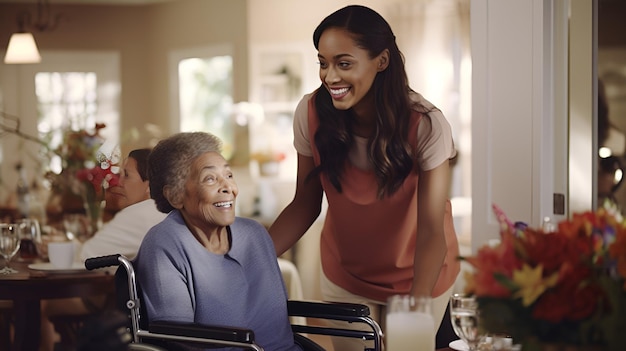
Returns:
<point x="122" y="234"/>
<point x="203" y="264"/>
<point x="125" y="231"/>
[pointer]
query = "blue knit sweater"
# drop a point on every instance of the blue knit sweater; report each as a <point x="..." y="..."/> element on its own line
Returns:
<point x="182" y="281"/>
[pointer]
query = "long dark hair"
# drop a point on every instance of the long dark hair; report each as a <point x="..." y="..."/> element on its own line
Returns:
<point x="388" y="148"/>
<point x="141" y="157"/>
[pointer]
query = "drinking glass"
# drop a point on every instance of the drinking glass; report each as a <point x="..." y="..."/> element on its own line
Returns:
<point x="9" y="245"/>
<point x="464" y="315"/>
<point x="409" y="324"/>
<point x="75" y="226"/>
<point x="30" y="239"/>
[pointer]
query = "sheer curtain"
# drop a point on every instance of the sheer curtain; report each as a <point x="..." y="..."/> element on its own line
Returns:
<point x="434" y="36"/>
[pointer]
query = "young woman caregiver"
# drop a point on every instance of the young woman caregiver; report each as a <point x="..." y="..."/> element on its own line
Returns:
<point x="380" y="152"/>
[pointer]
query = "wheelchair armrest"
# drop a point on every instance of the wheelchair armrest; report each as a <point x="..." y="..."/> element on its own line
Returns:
<point x="202" y="331"/>
<point x="340" y="311"/>
<point x="325" y="309"/>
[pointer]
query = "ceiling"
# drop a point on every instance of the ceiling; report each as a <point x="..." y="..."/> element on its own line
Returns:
<point x="90" y="2"/>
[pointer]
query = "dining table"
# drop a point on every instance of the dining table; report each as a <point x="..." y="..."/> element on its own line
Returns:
<point x="30" y="285"/>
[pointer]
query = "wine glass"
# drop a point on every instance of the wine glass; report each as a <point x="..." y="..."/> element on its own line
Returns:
<point x="30" y="239"/>
<point x="9" y="245"/>
<point x="464" y="315"/>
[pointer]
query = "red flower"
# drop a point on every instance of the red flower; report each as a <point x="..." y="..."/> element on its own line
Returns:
<point x="553" y="306"/>
<point x="98" y="177"/>
<point x="564" y="303"/>
<point x="546" y="249"/>
<point x="584" y="302"/>
<point x="492" y="264"/>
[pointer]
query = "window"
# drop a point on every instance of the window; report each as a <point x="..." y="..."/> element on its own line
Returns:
<point x="205" y="86"/>
<point x="69" y="88"/>
<point x="67" y="100"/>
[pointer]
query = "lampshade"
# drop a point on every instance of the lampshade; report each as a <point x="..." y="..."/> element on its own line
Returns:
<point x="22" y="49"/>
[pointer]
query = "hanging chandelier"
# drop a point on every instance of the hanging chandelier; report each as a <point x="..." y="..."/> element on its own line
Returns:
<point x="22" y="47"/>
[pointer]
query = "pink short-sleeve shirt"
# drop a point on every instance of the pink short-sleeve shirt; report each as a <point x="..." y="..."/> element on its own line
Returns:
<point x="374" y="257"/>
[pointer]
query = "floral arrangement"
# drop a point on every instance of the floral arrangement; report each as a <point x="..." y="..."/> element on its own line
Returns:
<point x="268" y="156"/>
<point x="560" y="288"/>
<point x="79" y="148"/>
<point x="86" y="171"/>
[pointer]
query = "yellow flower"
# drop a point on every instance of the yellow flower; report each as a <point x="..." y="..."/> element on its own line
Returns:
<point x="531" y="283"/>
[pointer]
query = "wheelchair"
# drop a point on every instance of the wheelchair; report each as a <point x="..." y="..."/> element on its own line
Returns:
<point x="161" y="335"/>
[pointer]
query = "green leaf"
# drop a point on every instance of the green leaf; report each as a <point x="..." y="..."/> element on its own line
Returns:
<point x="505" y="281"/>
<point x="505" y="316"/>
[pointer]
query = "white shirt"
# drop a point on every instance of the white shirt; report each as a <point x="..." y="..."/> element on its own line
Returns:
<point x="124" y="232"/>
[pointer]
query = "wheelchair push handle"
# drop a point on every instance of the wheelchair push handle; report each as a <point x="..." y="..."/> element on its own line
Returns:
<point x="102" y="261"/>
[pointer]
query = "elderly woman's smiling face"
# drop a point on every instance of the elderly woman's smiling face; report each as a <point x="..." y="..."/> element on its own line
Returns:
<point x="210" y="192"/>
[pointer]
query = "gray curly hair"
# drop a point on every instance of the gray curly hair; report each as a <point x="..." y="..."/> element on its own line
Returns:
<point x="169" y="162"/>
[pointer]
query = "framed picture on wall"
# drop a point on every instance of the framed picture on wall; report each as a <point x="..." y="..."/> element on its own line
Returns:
<point x="279" y="74"/>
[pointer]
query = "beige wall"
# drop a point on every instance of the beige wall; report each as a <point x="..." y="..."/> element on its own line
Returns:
<point x="194" y="23"/>
<point x="292" y="22"/>
<point x="295" y="20"/>
<point x="144" y="35"/>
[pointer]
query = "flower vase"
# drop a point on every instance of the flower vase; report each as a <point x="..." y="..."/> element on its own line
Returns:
<point x="95" y="212"/>
<point x="94" y="204"/>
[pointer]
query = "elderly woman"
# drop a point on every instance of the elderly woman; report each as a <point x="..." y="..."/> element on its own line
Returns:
<point x="201" y="263"/>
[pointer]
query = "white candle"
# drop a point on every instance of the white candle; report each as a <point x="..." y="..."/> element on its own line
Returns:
<point x="410" y="331"/>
